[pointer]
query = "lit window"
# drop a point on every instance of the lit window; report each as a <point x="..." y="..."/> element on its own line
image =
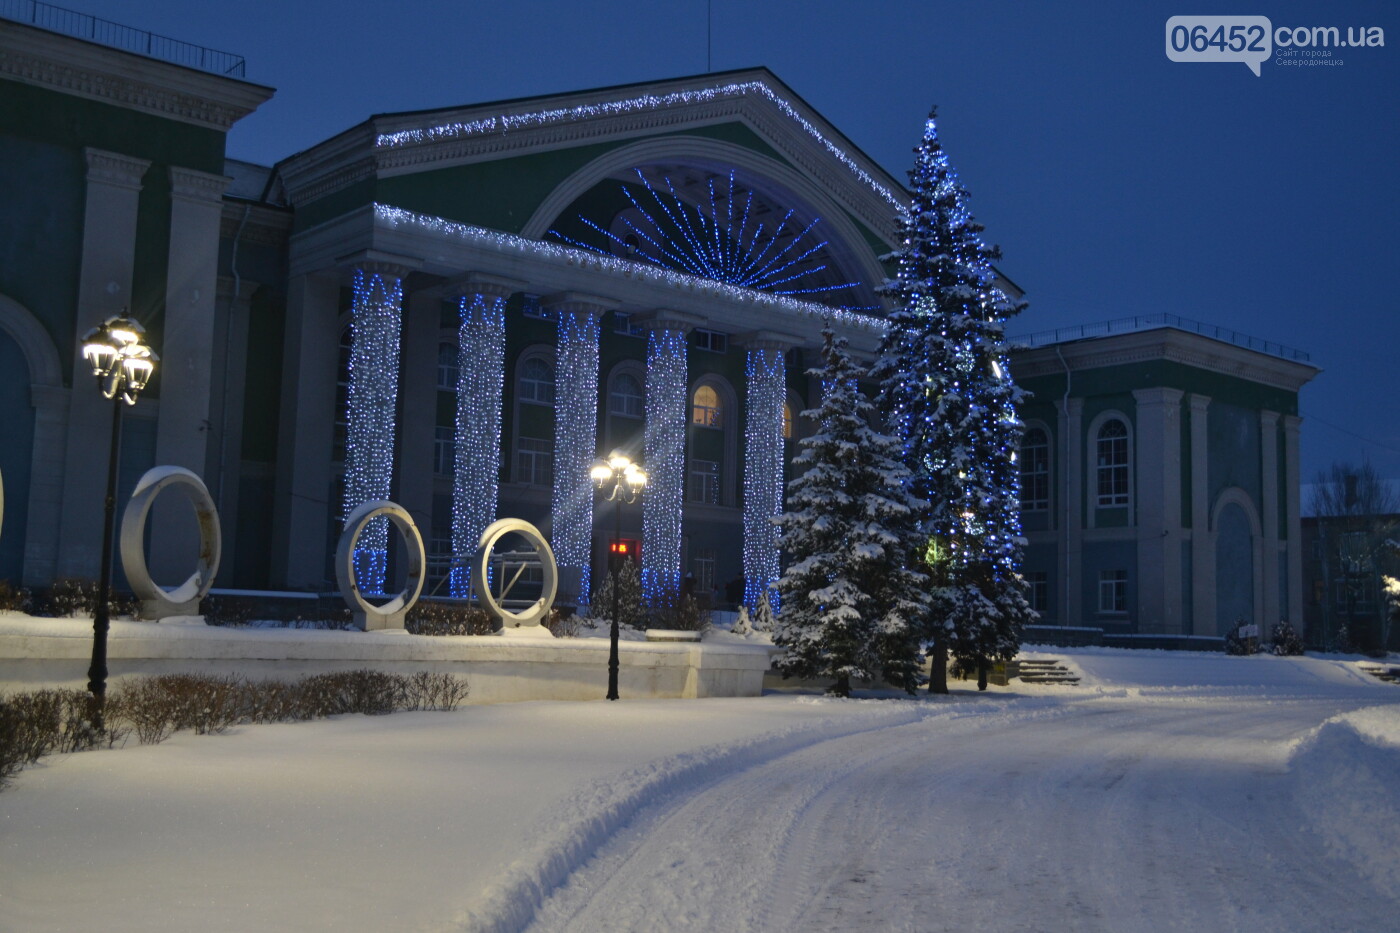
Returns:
<point x="447" y="367"/>
<point x="626" y="398"/>
<point x="1112" y="449"/>
<point x="787" y="422"/>
<point x="444" y="450"/>
<point x="706" y="410"/>
<point x="537" y="381"/>
<point x="1113" y="591"/>
<point x="704" y="481"/>
<point x="1035" y="471"/>
<point x="534" y="461"/>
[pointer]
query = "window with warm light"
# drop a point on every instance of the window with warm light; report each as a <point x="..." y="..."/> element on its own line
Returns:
<point x="706" y="409"/>
<point x="787" y="421"/>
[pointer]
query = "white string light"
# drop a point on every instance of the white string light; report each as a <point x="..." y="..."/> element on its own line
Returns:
<point x="369" y="446"/>
<point x="575" y="440"/>
<point x="666" y="405"/>
<point x="396" y="218"/>
<point x="505" y="123"/>
<point x="763" y="472"/>
<point x="481" y="338"/>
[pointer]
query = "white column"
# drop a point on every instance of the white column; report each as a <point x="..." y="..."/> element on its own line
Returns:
<point x="104" y="289"/>
<point x="575" y="436"/>
<point x="1293" y="521"/>
<point x="1159" y="509"/>
<point x="1269" y="517"/>
<point x="1202" y="545"/>
<point x="1071" y="445"/>
<point x="481" y="341"/>
<point x="370" y="408"/>
<point x="667" y="409"/>
<point x="763" y="461"/>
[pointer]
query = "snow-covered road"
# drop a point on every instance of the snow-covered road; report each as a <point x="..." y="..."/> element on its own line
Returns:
<point x="1106" y="815"/>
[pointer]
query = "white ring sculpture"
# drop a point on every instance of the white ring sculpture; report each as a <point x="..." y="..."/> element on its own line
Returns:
<point x="365" y="615"/>
<point x="183" y="600"/>
<point x="536" y="612"/>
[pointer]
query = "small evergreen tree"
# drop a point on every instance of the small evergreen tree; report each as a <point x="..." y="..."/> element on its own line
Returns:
<point x="946" y="391"/>
<point x="763" y="615"/>
<point x="742" y="625"/>
<point x="1287" y="642"/>
<point x="851" y="603"/>
<point x="630" y="610"/>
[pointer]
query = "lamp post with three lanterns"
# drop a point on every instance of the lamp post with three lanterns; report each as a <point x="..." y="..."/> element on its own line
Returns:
<point x="622" y="481"/>
<point x="123" y="363"/>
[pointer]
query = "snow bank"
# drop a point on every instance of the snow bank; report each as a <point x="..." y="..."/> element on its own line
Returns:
<point x="1346" y="781"/>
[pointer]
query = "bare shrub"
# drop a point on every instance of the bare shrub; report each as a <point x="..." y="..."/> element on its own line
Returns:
<point x="564" y="623"/>
<point x="13" y="598"/>
<point x="362" y="691"/>
<point x="427" y="690"/>
<point x="225" y="610"/>
<point x="437" y="618"/>
<point x="672" y="609"/>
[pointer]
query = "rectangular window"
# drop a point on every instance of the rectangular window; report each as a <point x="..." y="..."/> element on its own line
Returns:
<point x="534" y="461"/>
<point x="704" y="481"/>
<point x="711" y="340"/>
<point x="1035" y="471"/>
<point x="439" y="556"/>
<point x="703" y="566"/>
<point x="530" y="307"/>
<point x="444" y="450"/>
<point x="1113" y="591"/>
<point x="1038" y="583"/>
<point x="622" y="324"/>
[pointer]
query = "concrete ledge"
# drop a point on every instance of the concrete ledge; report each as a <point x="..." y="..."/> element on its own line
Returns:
<point x="38" y="652"/>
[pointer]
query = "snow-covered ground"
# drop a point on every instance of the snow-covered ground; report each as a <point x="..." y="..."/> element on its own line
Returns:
<point x="1188" y="791"/>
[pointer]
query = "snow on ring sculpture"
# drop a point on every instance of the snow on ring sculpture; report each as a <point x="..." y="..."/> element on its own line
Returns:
<point x="365" y="615"/>
<point x="157" y="602"/>
<point x="535" y="613"/>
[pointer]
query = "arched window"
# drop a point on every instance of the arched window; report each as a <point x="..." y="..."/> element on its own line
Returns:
<point x="537" y="381"/>
<point x="706" y="409"/>
<point x="1111" y="448"/>
<point x="447" y="367"/>
<point x="787" y="421"/>
<point x="1035" y="470"/>
<point x="626" y="397"/>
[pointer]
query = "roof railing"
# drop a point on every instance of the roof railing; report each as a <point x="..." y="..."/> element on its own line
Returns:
<point x="1128" y="325"/>
<point x="126" y="38"/>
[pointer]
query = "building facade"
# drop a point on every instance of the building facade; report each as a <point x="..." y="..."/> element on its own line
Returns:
<point x="460" y="309"/>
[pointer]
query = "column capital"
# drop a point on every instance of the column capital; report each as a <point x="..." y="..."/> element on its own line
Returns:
<point x="187" y="184"/>
<point x="115" y="169"/>
<point x="380" y="263"/>
<point x="667" y="319"/>
<point x="483" y="284"/>
<point x="579" y="303"/>
<point x="1157" y="395"/>
<point x="1199" y="403"/>
<point x="767" y="340"/>
<point x="1291" y="424"/>
<point x="1268" y="419"/>
<point x="1075" y="407"/>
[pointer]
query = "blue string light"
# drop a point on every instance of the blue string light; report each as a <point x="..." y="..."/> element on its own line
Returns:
<point x="481" y="340"/>
<point x="763" y="472"/>
<point x="666" y="405"/>
<point x="575" y="440"/>
<point x="374" y="378"/>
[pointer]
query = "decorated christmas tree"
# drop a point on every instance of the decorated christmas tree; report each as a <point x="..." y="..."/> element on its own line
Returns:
<point x="851" y="603"/>
<point x="946" y="391"/>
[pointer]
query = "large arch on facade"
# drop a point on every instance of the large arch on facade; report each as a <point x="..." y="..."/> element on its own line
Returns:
<point x="845" y="242"/>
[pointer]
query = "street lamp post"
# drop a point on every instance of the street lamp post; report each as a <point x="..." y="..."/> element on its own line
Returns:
<point x="122" y="363"/>
<point x="623" y="481"/>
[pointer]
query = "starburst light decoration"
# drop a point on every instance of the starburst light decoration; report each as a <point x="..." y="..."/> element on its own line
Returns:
<point x="720" y="239"/>
<point x="481" y="340"/>
<point x="374" y="377"/>
<point x="763" y="472"/>
<point x="575" y="440"/>
<point x="665" y="460"/>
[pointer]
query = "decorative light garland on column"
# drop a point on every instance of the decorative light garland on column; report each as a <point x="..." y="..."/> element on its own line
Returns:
<point x="666" y="404"/>
<point x="575" y="440"/>
<point x="481" y="340"/>
<point x="763" y="472"/>
<point x="377" y="314"/>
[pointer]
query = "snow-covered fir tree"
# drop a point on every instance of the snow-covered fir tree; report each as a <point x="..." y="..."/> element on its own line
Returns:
<point x="946" y="391"/>
<point x="762" y="620"/>
<point x="852" y="602"/>
<point x="743" y="625"/>
<point x="631" y="612"/>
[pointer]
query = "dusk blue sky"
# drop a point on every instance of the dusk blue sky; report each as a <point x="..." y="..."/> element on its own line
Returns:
<point x="1116" y="181"/>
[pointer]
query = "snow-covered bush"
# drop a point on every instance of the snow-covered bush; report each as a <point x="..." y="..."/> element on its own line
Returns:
<point x="673" y="609"/>
<point x="743" y="625"/>
<point x="1237" y="643"/>
<point x="763" y="616"/>
<point x="1287" y="642"/>
<point x="12" y="598"/>
<point x="630" y="610"/>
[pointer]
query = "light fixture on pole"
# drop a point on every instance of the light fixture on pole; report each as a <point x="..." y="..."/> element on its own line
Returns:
<point x="123" y="363"/>
<point x="622" y="481"/>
